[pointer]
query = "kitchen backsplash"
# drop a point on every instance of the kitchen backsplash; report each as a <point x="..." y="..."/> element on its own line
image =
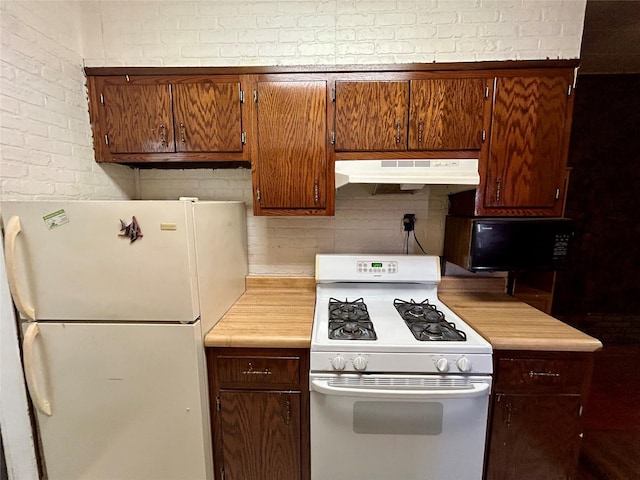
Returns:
<point x="363" y="223"/>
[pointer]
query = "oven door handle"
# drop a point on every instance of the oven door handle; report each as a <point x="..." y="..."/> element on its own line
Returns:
<point x="477" y="390"/>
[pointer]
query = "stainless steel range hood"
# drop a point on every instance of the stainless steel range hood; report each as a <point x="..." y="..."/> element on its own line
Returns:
<point x="410" y="174"/>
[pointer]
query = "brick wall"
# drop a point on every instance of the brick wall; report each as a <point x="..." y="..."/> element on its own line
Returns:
<point x="45" y="137"/>
<point x="283" y="32"/>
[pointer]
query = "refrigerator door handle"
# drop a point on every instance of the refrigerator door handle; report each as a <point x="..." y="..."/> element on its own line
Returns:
<point x="41" y="404"/>
<point x="11" y="233"/>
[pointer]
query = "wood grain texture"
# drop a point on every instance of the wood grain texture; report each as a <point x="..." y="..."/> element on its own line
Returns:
<point x="138" y="118"/>
<point x="207" y="117"/>
<point x="261" y="435"/>
<point x="273" y="312"/>
<point x="371" y="115"/>
<point x="509" y="324"/>
<point x="534" y="437"/>
<point x="527" y="156"/>
<point x="446" y="114"/>
<point x="292" y="144"/>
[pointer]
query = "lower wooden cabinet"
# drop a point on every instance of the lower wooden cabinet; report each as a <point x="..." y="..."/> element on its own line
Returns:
<point x="259" y="413"/>
<point x="536" y="423"/>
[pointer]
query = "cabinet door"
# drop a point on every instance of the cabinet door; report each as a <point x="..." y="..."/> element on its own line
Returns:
<point x="371" y="116"/>
<point x="292" y="144"/>
<point x="527" y="155"/>
<point x="534" y="437"/>
<point x="207" y="117"/>
<point x="260" y="435"/>
<point x="446" y="114"/>
<point x="138" y="118"/>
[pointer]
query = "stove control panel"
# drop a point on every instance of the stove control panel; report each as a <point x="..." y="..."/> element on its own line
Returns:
<point x="389" y="267"/>
<point x="425" y="363"/>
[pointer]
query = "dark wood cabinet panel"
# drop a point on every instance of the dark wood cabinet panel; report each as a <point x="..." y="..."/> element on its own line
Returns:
<point x="207" y="117"/>
<point x="447" y="113"/>
<point x="138" y="118"/>
<point x="535" y="428"/>
<point x="371" y="115"/>
<point x="260" y="435"/>
<point x="534" y="437"/>
<point x="259" y="413"/>
<point x="291" y="162"/>
<point x="527" y="155"/>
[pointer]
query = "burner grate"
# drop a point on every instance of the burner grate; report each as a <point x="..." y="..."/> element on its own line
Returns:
<point x="426" y="322"/>
<point x="349" y="320"/>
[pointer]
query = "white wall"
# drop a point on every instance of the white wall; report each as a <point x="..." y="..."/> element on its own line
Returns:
<point x="45" y="138"/>
<point x="290" y="32"/>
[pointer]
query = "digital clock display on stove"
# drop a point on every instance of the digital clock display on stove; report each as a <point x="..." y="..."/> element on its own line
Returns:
<point x="376" y="265"/>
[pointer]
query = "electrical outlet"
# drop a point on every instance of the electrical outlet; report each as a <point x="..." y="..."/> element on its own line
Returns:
<point x="408" y="222"/>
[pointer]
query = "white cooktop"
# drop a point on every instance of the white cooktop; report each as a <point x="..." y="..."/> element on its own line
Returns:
<point x="378" y="280"/>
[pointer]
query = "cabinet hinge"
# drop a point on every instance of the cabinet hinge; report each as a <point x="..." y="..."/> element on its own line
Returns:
<point x="102" y="99"/>
<point x="255" y="96"/>
<point x="569" y="90"/>
<point x="484" y="135"/>
<point x="218" y="403"/>
<point x="106" y="138"/>
<point x="333" y="138"/>
<point x="557" y="193"/>
<point x="243" y="138"/>
<point x="222" y="473"/>
<point x="333" y="95"/>
<point x="258" y="194"/>
<point x="486" y="92"/>
<point x="580" y="411"/>
<point x="241" y="96"/>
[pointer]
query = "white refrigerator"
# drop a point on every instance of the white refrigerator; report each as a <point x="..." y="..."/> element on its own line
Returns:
<point x="115" y="298"/>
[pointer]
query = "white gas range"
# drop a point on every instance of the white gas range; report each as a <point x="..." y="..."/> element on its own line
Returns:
<point x="396" y="376"/>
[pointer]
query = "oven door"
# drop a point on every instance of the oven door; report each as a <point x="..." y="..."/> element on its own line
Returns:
<point x="412" y="427"/>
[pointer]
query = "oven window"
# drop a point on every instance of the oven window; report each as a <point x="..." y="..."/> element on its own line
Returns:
<point x="398" y="418"/>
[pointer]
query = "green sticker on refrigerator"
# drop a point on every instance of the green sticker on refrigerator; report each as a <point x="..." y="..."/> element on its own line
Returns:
<point x="56" y="219"/>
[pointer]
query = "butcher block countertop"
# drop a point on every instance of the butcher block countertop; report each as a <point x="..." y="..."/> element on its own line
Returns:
<point x="277" y="312"/>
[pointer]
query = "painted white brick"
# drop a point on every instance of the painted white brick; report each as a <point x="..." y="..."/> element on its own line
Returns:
<point x="276" y="21"/>
<point x="343" y="34"/>
<point x="540" y="29"/>
<point x="457" y="31"/>
<point x="352" y="48"/>
<point x="421" y="33"/>
<point x="438" y="17"/>
<point x="395" y="47"/>
<point x="499" y="30"/>
<point x="355" y="20"/>
<point x="312" y="49"/>
<point x="375" y="33"/>
<point x="516" y="15"/>
<point x="295" y="36"/>
<point x="315" y="21"/>
<point x="480" y="16"/>
<point x="13" y="170"/>
<point x="258" y="36"/>
<point x="238" y="22"/>
<point x="396" y="19"/>
<point x="240" y="50"/>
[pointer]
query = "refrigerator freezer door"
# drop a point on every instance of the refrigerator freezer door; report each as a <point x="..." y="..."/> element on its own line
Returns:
<point x="127" y="401"/>
<point x="73" y="261"/>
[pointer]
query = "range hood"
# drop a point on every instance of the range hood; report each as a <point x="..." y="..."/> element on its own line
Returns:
<point x="409" y="174"/>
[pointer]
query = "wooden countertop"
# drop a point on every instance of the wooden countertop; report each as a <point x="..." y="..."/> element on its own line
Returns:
<point x="277" y="312"/>
<point x="509" y="324"/>
<point x="274" y="312"/>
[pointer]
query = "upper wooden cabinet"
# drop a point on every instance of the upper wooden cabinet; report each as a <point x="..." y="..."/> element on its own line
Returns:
<point x="192" y="118"/>
<point x="422" y="114"/>
<point x="524" y="170"/>
<point x="448" y="113"/>
<point x="371" y="116"/>
<point x="527" y="154"/>
<point x="290" y="166"/>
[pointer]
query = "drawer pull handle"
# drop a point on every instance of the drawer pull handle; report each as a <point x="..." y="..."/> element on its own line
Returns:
<point x="543" y="374"/>
<point x="251" y="371"/>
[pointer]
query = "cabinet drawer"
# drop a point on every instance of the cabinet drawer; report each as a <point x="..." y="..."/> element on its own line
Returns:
<point x="539" y="375"/>
<point x="253" y="370"/>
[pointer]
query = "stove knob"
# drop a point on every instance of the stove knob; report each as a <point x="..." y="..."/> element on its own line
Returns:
<point x="442" y="365"/>
<point x="360" y="363"/>
<point x="338" y="363"/>
<point x="464" y="365"/>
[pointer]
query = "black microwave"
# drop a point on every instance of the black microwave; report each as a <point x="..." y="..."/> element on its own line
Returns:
<point x="507" y="244"/>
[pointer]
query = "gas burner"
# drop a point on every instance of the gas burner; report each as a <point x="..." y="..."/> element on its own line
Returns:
<point x="426" y="322"/>
<point x="350" y="320"/>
